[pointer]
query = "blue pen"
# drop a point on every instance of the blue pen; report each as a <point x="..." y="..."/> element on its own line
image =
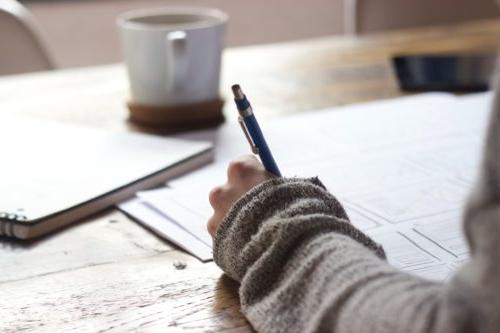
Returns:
<point x="252" y="131"/>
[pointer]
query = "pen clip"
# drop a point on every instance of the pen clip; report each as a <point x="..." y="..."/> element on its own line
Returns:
<point x="254" y="148"/>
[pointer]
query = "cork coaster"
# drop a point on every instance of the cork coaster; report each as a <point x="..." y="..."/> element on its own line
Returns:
<point x="178" y="118"/>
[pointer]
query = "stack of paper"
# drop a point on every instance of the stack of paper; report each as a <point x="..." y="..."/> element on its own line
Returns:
<point x="402" y="168"/>
<point x="193" y="239"/>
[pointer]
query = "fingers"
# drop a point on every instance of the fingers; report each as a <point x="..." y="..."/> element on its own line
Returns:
<point x="243" y="174"/>
<point x="213" y="223"/>
<point x="243" y="168"/>
<point x="215" y="197"/>
<point x="221" y="198"/>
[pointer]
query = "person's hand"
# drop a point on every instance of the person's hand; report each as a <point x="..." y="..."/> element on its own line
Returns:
<point x="242" y="175"/>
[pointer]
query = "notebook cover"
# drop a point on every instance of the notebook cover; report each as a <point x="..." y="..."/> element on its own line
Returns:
<point x="53" y="174"/>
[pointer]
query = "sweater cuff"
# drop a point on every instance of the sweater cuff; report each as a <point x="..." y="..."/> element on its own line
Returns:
<point x="240" y="240"/>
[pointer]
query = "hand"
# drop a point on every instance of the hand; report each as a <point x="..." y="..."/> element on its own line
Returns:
<point x="242" y="175"/>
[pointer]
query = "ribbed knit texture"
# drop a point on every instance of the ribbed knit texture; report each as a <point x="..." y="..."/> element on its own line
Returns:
<point x="304" y="268"/>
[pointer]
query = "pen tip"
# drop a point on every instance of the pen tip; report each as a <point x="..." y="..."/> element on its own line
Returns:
<point x="238" y="93"/>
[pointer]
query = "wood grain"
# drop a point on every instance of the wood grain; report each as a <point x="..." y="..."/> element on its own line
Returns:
<point x="109" y="274"/>
<point x="127" y="295"/>
<point x="108" y="238"/>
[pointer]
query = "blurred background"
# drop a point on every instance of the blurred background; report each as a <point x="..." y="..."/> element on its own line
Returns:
<point x="72" y="33"/>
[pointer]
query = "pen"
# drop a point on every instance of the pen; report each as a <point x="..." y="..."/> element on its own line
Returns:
<point x="252" y="131"/>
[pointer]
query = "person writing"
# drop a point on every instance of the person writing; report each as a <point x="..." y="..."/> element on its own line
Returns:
<point x="303" y="267"/>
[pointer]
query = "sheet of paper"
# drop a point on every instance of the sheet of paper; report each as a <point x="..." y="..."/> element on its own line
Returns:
<point x="447" y="234"/>
<point x="166" y="228"/>
<point x="431" y="247"/>
<point x="191" y="212"/>
<point x="402" y="168"/>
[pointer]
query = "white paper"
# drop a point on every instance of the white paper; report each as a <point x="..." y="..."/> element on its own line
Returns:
<point x="447" y="234"/>
<point x="53" y="166"/>
<point x="402" y="168"/>
<point x="166" y="228"/>
<point x="190" y="210"/>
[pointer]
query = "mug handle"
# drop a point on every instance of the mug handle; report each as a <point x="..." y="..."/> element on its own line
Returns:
<point x="177" y="62"/>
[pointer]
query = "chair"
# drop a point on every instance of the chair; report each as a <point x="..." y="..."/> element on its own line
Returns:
<point x="22" y="49"/>
<point x="365" y="16"/>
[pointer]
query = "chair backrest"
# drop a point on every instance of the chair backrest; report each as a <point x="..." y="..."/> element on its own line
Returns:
<point x="364" y="16"/>
<point x="22" y="49"/>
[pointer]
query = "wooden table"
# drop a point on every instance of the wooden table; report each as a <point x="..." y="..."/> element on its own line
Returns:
<point x="109" y="274"/>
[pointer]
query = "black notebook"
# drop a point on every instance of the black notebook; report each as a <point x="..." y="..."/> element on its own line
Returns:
<point x="53" y="174"/>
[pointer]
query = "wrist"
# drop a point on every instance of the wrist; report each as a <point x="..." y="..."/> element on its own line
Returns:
<point x="255" y="208"/>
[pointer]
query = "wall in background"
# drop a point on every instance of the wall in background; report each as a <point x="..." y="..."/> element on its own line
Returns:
<point x="82" y="33"/>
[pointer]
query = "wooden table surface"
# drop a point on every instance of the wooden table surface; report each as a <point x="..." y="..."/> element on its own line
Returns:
<point x="109" y="274"/>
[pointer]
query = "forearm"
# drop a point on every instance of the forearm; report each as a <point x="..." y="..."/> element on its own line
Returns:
<point x="276" y="217"/>
<point x="331" y="283"/>
<point x="304" y="268"/>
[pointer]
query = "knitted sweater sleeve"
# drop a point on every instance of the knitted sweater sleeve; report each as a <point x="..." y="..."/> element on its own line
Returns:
<point x="304" y="268"/>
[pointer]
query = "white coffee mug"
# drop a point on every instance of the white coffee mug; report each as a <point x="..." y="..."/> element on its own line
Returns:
<point x="173" y="54"/>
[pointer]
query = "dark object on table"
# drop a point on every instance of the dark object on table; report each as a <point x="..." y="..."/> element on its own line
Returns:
<point x="453" y="73"/>
<point x="171" y="119"/>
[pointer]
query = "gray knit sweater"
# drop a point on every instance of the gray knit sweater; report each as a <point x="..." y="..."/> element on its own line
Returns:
<point x="304" y="268"/>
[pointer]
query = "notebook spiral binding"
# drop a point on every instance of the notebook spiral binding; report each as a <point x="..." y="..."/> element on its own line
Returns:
<point x="7" y="222"/>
